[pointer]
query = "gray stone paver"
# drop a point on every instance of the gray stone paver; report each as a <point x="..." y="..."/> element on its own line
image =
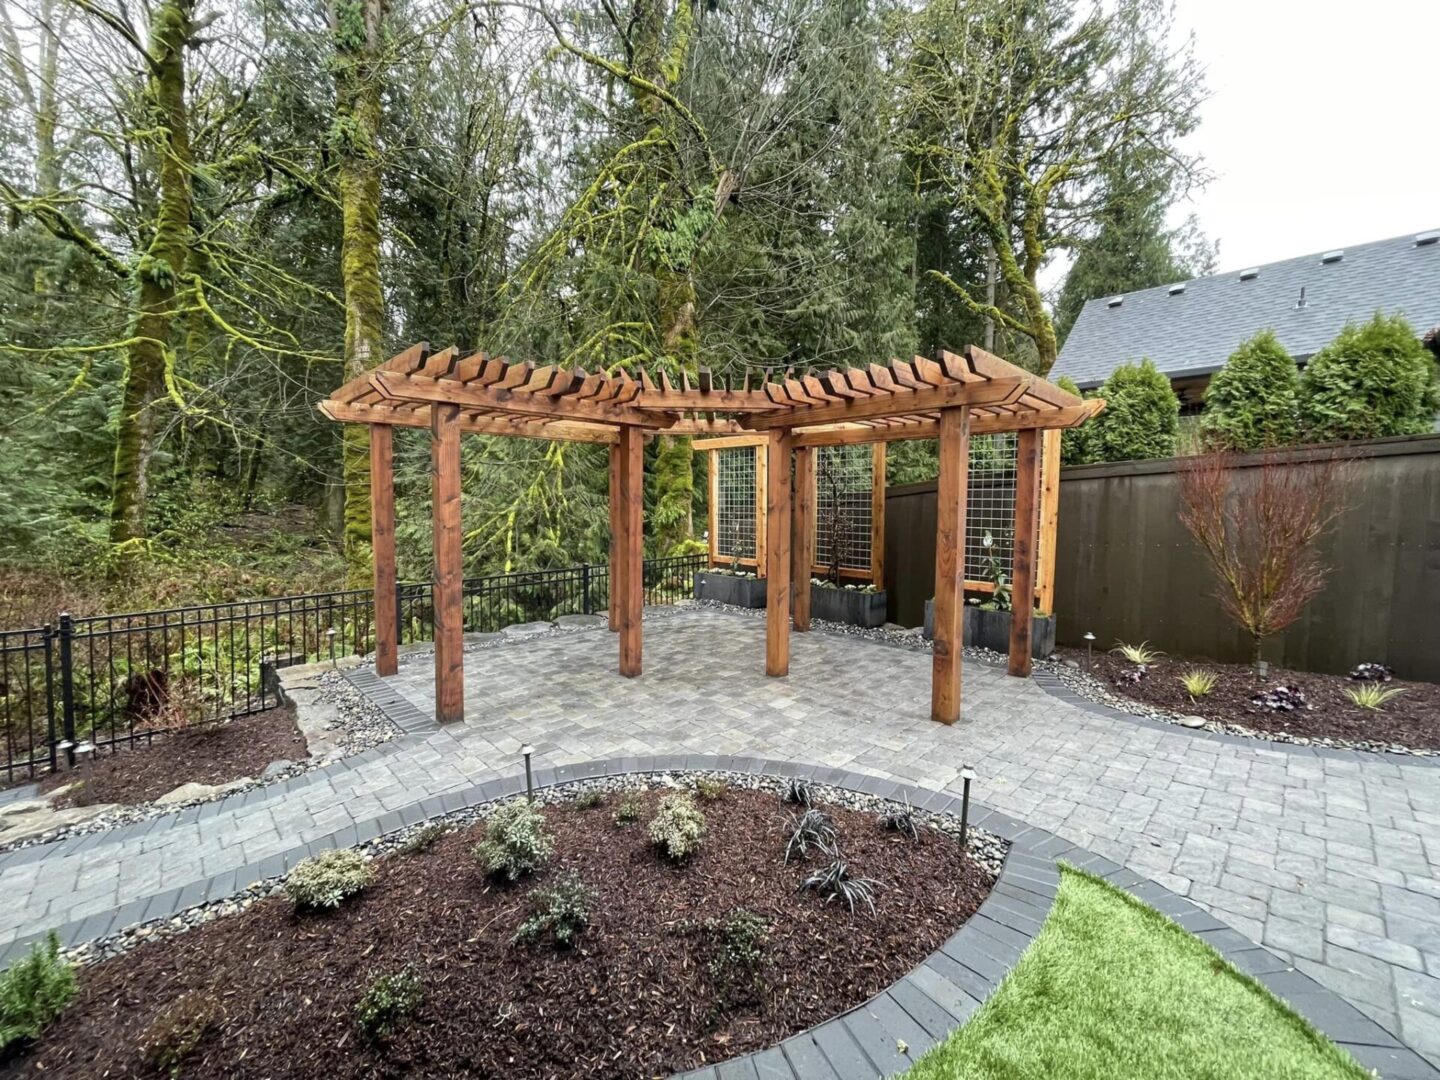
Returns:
<point x="1332" y="862"/>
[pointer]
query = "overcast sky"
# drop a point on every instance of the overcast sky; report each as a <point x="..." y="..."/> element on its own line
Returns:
<point x="1323" y="123"/>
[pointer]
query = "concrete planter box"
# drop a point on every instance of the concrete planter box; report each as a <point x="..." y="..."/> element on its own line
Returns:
<point x="729" y="589"/>
<point x="848" y="606"/>
<point x="991" y="630"/>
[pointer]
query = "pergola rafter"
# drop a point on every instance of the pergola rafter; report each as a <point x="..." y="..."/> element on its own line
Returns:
<point x="949" y="396"/>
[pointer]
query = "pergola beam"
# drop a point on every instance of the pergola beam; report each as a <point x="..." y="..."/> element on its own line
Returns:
<point x="357" y="413"/>
<point x="445" y="391"/>
<point x="986" y="392"/>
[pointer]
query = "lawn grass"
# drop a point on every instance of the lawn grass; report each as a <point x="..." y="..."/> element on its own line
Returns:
<point x="1111" y="989"/>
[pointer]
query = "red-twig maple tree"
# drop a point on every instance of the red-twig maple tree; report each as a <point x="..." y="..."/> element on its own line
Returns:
<point x="1259" y="523"/>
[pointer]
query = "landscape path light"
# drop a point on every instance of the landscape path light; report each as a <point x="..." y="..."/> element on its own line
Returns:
<point x="1089" y="651"/>
<point x="527" y="750"/>
<point x="967" y="774"/>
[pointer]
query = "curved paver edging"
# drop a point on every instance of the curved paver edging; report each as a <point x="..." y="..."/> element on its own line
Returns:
<point x="919" y="1010"/>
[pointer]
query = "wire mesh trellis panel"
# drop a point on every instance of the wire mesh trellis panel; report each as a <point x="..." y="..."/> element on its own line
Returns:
<point x="843" y="506"/>
<point x="735" y="512"/>
<point x="990" y="509"/>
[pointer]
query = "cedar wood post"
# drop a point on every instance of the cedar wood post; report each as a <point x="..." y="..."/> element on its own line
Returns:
<point x="1022" y="588"/>
<point x="777" y="551"/>
<point x="382" y="546"/>
<point x="630" y="516"/>
<point x="448" y="595"/>
<point x="950" y="563"/>
<point x="616" y="571"/>
<point x="802" y="536"/>
<point x="877" y="516"/>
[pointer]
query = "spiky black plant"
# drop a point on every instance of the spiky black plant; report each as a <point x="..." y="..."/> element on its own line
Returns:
<point x="1371" y="672"/>
<point x="900" y="817"/>
<point x="798" y="793"/>
<point x="1282" y="699"/>
<point x="812" y="829"/>
<point x="836" y="882"/>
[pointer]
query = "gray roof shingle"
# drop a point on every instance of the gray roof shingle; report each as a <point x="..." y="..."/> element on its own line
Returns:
<point x="1191" y="332"/>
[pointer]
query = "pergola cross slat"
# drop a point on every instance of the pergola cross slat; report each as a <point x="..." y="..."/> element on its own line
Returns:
<point x="950" y="396"/>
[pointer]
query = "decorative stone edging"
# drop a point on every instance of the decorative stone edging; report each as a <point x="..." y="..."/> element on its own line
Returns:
<point x="895" y="1028"/>
<point x="1056" y="687"/>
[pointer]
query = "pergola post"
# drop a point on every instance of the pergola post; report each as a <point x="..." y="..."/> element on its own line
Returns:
<point x="448" y="582"/>
<point x="802" y="536"/>
<point x="950" y="564"/>
<point x="777" y="552"/>
<point x="629" y="516"/>
<point x="1022" y="576"/>
<point x="382" y="547"/>
<point x="616" y="570"/>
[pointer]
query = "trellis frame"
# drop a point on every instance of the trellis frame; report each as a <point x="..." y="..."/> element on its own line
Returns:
<point x="949" y="397"/>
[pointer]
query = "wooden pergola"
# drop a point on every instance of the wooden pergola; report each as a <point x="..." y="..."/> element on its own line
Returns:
<point x="949" y="398"/>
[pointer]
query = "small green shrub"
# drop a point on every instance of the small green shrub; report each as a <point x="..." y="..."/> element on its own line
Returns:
<point x="1252" y="402"/>
<point x="1372" y="695"/>
<point x="677" y="826"/>
<point x="423" y="839"/>
<point x="33" y="990"/>
<point x="711" y="788"/>
<point x="589" y="800"/>
<point x="178" y="1030"/>
<point x="516" y="841"/>
<point x="562" y="909"/>
<point x="324" y="880"/>
<point x="1198" y="682"/>
<point x="387" y="1001"/>
<point x="632" y="805"/>
<point x="739" y="949"/>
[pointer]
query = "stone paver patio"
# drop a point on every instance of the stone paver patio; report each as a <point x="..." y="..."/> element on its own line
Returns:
<point x="1332" y="862"/>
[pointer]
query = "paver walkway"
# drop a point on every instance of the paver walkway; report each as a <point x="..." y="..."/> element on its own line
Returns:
<point x="1334" y="863"/>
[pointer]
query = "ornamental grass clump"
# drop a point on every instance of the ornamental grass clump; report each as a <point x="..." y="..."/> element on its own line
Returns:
<point x="835" y="882"/>
<point x="811" y="830"/>
<point x="677" y="826"/>
<point x="387" y="1001"/>
<point x="561" y="910"/>
<point x="33" y="990"/>
<point x="1198" y="682"/>
<point x="324" y="880"/>
<point x="516" y="841"/>
<point x="179" y="1029"/>
<point x="1372" y="695"/>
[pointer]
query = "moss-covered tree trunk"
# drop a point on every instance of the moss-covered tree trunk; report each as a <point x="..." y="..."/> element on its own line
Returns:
<point x="358" y="27"/>
<point x="662" y="66"/>
<point x="150" y="358"/>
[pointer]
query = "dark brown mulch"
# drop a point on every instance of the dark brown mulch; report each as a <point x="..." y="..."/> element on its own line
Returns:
<point x="209" y="755"/>
<point x="1411" y="719"/>
<point x="634" y="999"/>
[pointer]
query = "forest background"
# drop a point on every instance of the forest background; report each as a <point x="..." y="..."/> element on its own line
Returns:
<point x="216" y="215"/>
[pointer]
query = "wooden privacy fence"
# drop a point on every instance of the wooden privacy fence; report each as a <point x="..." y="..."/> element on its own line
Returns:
<point x="1125" y="568"/>
<point x="1128" y="570"/>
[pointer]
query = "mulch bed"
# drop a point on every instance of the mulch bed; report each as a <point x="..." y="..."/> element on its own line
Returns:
<point x="210" y="755"/>
<point x="1411" y="719"/>
<point x="635" y="998"/>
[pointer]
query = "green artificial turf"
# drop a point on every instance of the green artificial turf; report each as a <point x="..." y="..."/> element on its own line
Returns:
<point x="1111" y="989"/>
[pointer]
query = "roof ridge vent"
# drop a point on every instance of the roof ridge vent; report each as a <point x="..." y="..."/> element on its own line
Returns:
<point x="1250" y="273"/>
<point x="1332" y="256"/>
<point x="1176" y="289"/>
<point x="1114" y="301"/>
<point x="1424" y="238"/>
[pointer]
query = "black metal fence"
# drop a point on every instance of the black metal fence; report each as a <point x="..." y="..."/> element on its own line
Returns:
<point x="110" y="680"/>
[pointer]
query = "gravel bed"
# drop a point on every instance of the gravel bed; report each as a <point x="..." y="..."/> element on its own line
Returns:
<point x="1096" y="690"/>
<point x="985" y="848"/>
<point x="363" y="726"/>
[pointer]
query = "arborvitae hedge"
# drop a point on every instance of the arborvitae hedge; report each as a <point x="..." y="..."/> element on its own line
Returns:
<point x="1141" y="417"/>
<point x="1074" y="442"/>
<point x="1375" y="379"/>
<point x="1253" y="402"/>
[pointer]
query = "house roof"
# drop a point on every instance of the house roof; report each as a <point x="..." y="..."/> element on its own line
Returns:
<point x="1189" y="328"/>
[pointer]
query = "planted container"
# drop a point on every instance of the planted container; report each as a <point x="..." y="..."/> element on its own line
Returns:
<point x="991" y="630"/>
<point x="848" y="606"/>
<point x="730" y="589"/>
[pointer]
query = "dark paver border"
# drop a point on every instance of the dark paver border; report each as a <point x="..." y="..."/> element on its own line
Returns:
<point x="921" y="1009"/>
